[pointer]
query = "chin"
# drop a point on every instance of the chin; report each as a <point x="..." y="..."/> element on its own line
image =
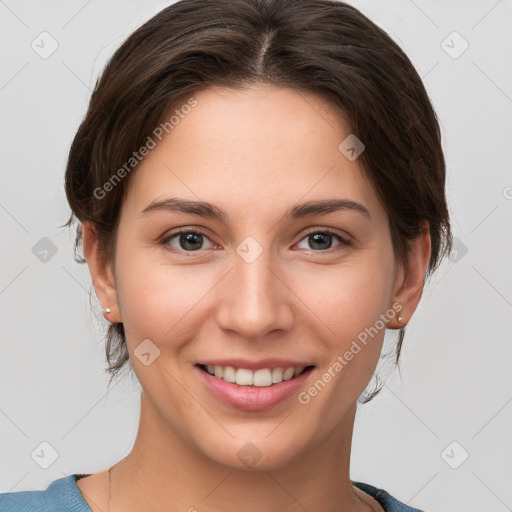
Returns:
<point x="260" y="454"/>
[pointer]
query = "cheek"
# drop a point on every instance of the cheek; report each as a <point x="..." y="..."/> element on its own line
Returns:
<point x="349" y="298"/>
<point x="159" y="302"/>
<point x="349" y="302"/>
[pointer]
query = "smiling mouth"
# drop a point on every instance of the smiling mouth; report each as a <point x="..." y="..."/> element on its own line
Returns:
<point x="264" y="377"/>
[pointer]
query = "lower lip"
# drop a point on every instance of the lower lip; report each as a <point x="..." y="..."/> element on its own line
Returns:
<point x="253" y="398"/>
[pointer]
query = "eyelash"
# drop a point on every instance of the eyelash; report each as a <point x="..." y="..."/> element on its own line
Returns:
<point x="343" y="241"/>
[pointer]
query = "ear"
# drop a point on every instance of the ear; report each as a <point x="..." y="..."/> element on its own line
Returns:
<point x="410" y="278"/>
<point x="101" y="273"/>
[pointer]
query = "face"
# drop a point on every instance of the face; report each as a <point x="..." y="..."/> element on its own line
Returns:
<point x="269" y="282"/>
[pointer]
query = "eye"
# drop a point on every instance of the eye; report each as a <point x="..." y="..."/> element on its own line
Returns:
<point x="188" y="241"/>
<point x="192" y="241"/>
<point x="322" y="240"/>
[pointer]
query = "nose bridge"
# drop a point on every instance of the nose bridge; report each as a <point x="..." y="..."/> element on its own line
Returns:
<point x="255" y="300"/>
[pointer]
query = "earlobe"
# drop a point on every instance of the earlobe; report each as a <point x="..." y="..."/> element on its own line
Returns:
<point x="101" y="274"/>
<point x="411" y="278"/>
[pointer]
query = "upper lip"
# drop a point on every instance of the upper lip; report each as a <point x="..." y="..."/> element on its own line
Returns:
<point x="255" y="365"/>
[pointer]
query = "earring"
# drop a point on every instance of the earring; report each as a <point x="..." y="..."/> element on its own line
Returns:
<point x="400" y="319"/>
<point x="107" y="310"/>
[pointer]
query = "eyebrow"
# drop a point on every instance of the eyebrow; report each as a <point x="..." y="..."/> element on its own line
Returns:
<point x="205" y="209"/>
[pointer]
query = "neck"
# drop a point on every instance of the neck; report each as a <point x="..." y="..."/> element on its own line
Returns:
<point x="163" y="468"/>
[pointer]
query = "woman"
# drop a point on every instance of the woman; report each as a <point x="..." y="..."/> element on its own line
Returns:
<point x="260" y="190"/>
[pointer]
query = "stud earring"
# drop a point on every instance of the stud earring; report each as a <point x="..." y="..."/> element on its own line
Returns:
<point x="107" y="310"/>
<point x="400" y="319"/>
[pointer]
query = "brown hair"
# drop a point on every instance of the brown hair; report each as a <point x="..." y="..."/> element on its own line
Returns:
<point x="320" y="46"/>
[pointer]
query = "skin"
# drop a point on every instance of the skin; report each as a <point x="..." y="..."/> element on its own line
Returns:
<point x="254" y="153"/>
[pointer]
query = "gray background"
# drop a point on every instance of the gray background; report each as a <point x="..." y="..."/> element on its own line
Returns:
<point x="453" y="396"/>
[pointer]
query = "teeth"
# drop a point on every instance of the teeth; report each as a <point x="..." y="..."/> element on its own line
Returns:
<point x="277" y="375"/>
<point x="229" y="374"/>
<point x="260" y="378"/>
<point x="243" y="377"/>
<point x="288" y="373"/>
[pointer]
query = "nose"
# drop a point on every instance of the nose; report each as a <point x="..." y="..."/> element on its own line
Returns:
<point x="255" y="299"/>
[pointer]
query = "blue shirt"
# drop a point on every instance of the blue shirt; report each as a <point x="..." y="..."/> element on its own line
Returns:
<point x="63" y="495"/>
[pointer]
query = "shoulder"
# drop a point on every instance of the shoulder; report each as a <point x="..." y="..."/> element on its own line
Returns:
<point x="62" y="495"/>
<point x="388" y="502"/>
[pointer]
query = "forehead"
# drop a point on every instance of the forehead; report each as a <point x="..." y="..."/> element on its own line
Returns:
<point x="263" y="145"/>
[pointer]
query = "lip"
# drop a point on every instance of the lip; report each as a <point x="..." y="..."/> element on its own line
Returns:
<point x="252" y="398"/>
<point x="256" y="365"/>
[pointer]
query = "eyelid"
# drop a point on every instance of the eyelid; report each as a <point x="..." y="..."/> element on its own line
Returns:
<point x="344" y="237"/>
